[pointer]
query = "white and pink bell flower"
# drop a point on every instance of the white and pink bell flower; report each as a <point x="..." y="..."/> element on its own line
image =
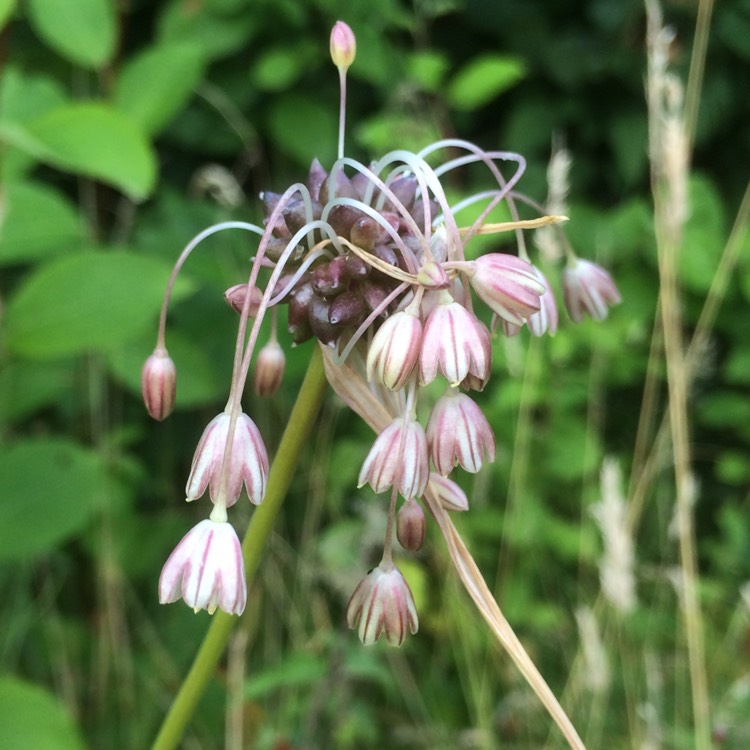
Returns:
<point x="588" y="289"/>
<point x="459" y="433"/>
<point x="206" y="570"/>
<point x="248" y="461"/>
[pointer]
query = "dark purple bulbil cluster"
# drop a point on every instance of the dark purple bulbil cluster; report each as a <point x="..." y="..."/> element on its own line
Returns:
<point x="337" y="294"/>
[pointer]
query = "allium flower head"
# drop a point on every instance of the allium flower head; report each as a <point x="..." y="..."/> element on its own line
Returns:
<point x="588" y="289"/>
<point x="459" y="433"/>
<point x="248" y="462"/>
<point x="508" y="285"/>
<point x="383" y="604"/>
<point x="398" y="456"/>
<point x="206" y="570"/>
<point x="455" y="342"/>
<point x="158" y="384"/>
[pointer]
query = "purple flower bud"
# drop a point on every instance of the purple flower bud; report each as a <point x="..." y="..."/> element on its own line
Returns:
<point x="389" y="463"/>
<point x="343" y="45"/>
<point x="158" y="384"/>
<point x="235" y="298"/>
<point x="454" y="342"/>
<point x="394" y="351"/>
<point x="508" y="285"/>
<point x="410" y="526"/>
<point x="588" y="288"/>
<point x="450" y="495"/>
<point x="348" y="309"/>
<point x="459" y="433"/>
<point x="330" y="279"/>
<point x="247" y="464"/>
<point x="206" y="570"/>
<point x="383" y="604"/>
<point x="269" y="369"/>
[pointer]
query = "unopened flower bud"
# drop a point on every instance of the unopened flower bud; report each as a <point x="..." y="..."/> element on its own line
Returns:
<point x="433" y="276"/>
<point x="235" y="298"/>
<point x="410" y="526"/>
<point x="343" y="45"/>
<point x="158" y="384"/>
<point x="269" y="369"/>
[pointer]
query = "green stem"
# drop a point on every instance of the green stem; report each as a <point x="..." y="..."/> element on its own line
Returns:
<point x="295" y="436"/>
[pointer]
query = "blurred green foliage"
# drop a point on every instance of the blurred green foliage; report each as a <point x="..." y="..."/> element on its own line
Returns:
<point x="126" y="128"/>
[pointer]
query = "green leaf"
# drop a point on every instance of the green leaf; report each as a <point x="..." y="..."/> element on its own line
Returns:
<point x="38" y="222"/>
<point x="154" y="86"/>
<point x="25" y="387"/>
<point x="32" y="718"/>
<point x="704" y="236"/>
<point x="304" y="128"/>
<point x="298" y="669"/>
<point x="51" y="489"/>
<point x="6" y="8"/>
<point x="85" y="301"/>
<point x="23" y="98"/>
<point x="83" y="31"/>
<point x="95" y="140"/>
<point x="484" y="78"/>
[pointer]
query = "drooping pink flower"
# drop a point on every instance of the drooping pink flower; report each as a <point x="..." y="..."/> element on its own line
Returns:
<point x="206" y="570"/>
<point x="398" y="456"/>
<point x="508" y="285"/>
<point x="158" y="384"/>
<point x="394" y="350"/>
<point x="588" y="289"/>
<point x="383" y="604"/>
<point x="248" y="461"/>
<point x="455" y="343"/>
<point x="459" y="433"/>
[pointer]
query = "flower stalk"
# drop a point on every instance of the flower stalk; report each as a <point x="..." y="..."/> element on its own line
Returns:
<point x="296" y="434"/>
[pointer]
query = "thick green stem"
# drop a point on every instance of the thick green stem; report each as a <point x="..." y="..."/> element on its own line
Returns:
<point x="295" y="436"/>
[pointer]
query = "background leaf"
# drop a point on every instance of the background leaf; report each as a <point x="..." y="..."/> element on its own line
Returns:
<point x="32" y="718"/>
<point x="51" y="489"/>
<point x="154" y="86"/>
<point x="85" y="301"/>
<point x="24" y="237"/>
<point x="483" y="79"/>
<point x="95" y="140"/>
<point x="82" y="31"/>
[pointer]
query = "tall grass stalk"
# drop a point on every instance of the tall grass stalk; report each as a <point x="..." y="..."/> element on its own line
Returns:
<point x="668" y="150"/>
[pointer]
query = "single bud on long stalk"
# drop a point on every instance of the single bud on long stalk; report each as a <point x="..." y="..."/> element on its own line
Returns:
<point x="158" y="384"/>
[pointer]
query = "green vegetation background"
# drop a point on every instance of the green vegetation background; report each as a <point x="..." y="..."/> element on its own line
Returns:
<point x="125" y="128"/>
